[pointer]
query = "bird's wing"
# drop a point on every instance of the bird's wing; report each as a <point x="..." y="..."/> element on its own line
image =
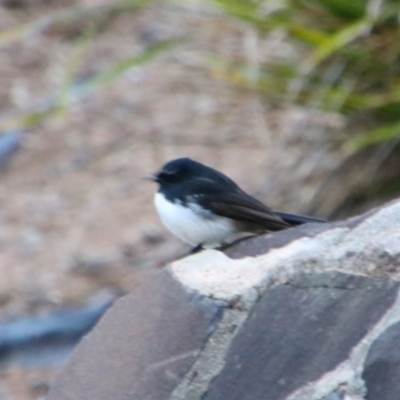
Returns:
<point x="237" y="205"/>
<point x="296" y="219"/>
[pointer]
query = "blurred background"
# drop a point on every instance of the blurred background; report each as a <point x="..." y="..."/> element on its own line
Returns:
<point x="297" y="100"/>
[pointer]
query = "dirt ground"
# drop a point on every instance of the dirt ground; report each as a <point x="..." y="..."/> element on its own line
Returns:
<point x="76" y="217"/>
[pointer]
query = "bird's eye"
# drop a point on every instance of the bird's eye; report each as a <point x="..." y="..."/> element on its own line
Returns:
<point x="170" y="171"/>
<point x="163" y="176"/>
<point x="170" y="175"/>
<point x="167" y="176"/>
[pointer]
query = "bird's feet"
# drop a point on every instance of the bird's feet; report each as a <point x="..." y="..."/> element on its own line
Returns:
<point x="196" y="249"/>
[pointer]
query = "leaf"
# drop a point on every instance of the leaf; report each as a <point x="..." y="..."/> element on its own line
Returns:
<point x="377" y="135"/>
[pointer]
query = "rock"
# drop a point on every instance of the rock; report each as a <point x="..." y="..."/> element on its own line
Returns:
<point x="46" y="340"/>
<point x="10" y="142"/>
<point x="340" y="395"/>
<point x="382" y="366"/>
<point x="144" y="347"/>
<point x="298" y="331"/>
<point x="304" y="314"/>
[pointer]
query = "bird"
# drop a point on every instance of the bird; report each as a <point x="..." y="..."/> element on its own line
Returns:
<point x="206" y="209"/>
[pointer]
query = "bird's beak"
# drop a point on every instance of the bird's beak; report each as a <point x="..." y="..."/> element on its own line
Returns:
<point x="152" y="178"/>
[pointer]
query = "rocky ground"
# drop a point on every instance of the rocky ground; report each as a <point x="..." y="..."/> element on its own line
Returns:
<point x="76" y="217"/>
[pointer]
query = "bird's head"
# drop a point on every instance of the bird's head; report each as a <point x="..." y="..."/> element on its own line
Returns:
<point x="185" y="169"/>
<point x="177" y="171"/>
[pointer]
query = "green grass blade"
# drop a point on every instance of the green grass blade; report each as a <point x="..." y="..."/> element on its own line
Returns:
<point x="377" y="135"/>
<point x="123" y="66"/>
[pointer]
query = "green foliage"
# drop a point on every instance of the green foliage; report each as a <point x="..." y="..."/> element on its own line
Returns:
<point x="348" y="57"/>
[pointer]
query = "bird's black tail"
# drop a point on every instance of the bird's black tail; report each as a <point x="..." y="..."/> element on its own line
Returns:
<point x="295" y="219"/>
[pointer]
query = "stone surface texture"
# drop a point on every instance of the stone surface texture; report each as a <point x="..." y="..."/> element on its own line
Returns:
<point x="310" y="313"/>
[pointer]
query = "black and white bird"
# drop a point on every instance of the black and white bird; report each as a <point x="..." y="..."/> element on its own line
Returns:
<point x="205" y="208"/>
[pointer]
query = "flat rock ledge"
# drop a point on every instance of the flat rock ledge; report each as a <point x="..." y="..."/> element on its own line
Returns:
<point x="311" y="313"/>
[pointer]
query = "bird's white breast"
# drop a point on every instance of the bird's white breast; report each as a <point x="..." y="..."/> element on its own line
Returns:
<point x="194" y="226"/>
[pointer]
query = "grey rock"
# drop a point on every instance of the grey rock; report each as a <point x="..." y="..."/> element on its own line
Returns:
<point x="297" y="315"/>
<point x="382" y="366"/>
<point x="298" y="331"/>
<point x="337" y="395"/>
<point x="46" y="340"/>
<point x="143" y="347"/>
<point x="10" y="142"/>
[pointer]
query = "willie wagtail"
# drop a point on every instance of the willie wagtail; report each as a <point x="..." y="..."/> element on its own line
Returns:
<point x="205" y="208"/>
